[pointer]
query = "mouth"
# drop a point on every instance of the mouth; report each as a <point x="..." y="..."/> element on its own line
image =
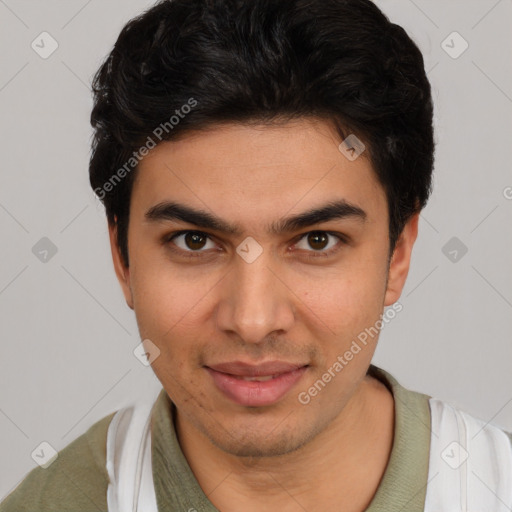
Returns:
<point x="256" y="385"/>
<point x="256" y="379"/>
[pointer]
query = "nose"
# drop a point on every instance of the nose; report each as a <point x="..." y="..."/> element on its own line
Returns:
<point x="255" y="302"/>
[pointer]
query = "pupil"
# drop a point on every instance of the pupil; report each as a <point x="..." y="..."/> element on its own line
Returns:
<point x="317" y="240"/>
<point x="195" y="240"/>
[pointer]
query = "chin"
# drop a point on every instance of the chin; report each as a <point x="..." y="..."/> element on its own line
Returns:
<point x="253" y="444"/>
<point x="257" y="448"/>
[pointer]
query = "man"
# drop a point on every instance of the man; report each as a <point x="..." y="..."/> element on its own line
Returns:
<point x="263" y="165"/>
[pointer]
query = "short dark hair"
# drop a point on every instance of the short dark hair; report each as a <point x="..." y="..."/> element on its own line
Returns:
<point x="187" y="65"/>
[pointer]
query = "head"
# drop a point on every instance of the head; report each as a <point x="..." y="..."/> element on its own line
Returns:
<point x="240" y="231"/>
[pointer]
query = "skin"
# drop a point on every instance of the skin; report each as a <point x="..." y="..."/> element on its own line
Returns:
<point x="283" y="306"/>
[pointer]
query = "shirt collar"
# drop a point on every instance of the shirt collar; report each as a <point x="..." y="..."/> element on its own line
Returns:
<point x="404" y="484"/>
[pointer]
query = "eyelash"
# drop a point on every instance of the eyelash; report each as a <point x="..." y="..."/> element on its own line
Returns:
<point x="310" y="254"/>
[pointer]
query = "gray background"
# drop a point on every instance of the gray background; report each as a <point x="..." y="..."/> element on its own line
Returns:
<point x="67" y="336"/>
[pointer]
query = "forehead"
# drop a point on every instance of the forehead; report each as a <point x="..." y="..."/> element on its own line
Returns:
<point x="255" y="170"/>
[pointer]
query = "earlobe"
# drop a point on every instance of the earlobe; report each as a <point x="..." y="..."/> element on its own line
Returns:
<point x="401" y="260"/>
<point x="122" y="271"/>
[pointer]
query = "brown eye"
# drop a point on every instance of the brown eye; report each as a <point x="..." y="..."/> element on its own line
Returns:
<point x="195" y="241"/>
<point x="318" y="240"/>
<point x="192" y="241"/>
<point x="320" y="243"/>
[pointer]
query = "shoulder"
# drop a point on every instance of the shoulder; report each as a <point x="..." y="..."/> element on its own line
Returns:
<point x="509" y="435"/>
<point x="76" y="481"/>
<point x="463" y="441"/>
<point x="468" y="453"/>
<point x="447" y="413"/>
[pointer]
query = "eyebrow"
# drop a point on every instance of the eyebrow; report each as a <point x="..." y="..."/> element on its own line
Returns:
<point x="334" y="210"/>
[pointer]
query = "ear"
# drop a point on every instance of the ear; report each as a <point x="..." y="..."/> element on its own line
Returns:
<point x="122" y="271"/>
<point x="401" y="260"/>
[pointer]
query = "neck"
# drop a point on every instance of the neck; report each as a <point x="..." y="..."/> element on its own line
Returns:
<point x="342" y="464"/>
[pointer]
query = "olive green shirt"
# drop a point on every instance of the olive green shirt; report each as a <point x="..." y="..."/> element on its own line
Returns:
<point x="77" y="480"/>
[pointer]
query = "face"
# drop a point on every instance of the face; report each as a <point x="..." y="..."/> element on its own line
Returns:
<point x="257" y="256"/>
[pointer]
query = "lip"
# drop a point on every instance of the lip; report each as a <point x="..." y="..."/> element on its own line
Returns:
<point x="227" y="377"/>
<point x="242" y="369"/>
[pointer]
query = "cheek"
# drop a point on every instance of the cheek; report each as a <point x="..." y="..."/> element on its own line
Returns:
<point x="164" y="306"/>
<point x="167" y="310"/>
<point x="165" y="295"/>
<point x="345" y="298"/>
